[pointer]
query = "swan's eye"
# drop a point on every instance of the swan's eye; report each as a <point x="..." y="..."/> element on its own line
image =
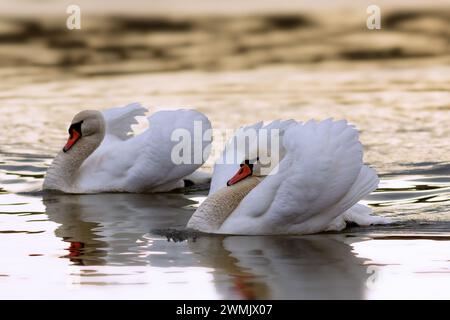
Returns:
<point x="249" y="163"/>
<point x="75" y="135"/>
<point x="75" y="127"/>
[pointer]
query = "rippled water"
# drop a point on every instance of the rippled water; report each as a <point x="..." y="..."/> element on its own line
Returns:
<point x="394" y="88"/>
<point x="114" y="245"/>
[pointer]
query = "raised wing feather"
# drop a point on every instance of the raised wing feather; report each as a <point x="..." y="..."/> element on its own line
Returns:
<point x="120" y="119"/>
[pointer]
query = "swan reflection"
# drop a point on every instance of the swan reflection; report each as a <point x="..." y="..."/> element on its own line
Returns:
<point x="112" y="228"/>
<point x="308" y="267"/>
<point x="117" y="229"/>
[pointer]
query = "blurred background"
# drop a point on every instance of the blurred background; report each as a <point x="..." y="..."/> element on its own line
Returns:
<point x="138" y="36"/>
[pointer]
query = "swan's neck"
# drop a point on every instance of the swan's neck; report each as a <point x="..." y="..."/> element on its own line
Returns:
<point x="213" y="212"/>
<point x="63" y="172"/>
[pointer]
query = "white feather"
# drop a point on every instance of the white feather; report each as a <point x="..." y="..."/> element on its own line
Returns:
<point x="139" y="163"/>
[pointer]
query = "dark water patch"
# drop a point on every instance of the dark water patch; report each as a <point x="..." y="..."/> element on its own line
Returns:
<point x="12" y="38"/>
<point x="431" y="180"/>
<point x="420" y="187"/>
<point x="422" y="168"/>
<point x="152" y="24"/>
<point x="125" y="52"/>
<point x="28" y="29"/>
<point x="397" y="198"/>
<point x="394" y="19"/>
<point x="66" y="43"/>
<point x="117" y="70"/>
<point x="178" y="235"/>
<point x="380" y="54"/>
<point x="160" y="53"/>
<point x="14" y="181"/>
<point x="38" y="220"/>
<point x="22" y="213"/>
<point x="400" y="189"/>
<point x="97" y="274"/>
<point x="13" y="204"/>
<point x="72" y="60"/>
<point x="31" y="28"/>
<point x="243" y="48"/>
<point x="288" y="21"/>
<point x="120" y="52"/>
<point x="201" y="189"/>
<point x="17" y="155"/>
<point x="11" y="168"/>
<point x="26" y="175"/>
<point x="24" y="160"/>
<point x="23" y="30"/>
<point x="413" y="237"/>
<point x="105" y="283"/>
<point x="414" y="227"/>
<point x="20" y="231"/>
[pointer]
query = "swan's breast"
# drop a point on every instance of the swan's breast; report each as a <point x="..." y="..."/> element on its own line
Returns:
<point x="211" y="214"/>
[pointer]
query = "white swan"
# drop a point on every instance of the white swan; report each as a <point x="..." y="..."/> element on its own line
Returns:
<point x="102" y="155"/>
<point x="319" y="180"/>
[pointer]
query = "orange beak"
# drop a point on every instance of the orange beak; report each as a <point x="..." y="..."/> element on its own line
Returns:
<point x="74" y="137"/>
<point x="244" y="172"/>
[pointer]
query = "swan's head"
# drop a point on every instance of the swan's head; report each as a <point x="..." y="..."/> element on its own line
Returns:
<point x="85" y="125"/>
<point x="246" y="169"/>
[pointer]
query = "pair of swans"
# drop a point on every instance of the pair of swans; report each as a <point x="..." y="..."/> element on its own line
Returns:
<point x="319" y="176"/>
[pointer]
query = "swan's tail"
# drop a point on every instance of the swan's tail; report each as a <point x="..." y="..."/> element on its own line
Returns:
<point x="366" y="182"/>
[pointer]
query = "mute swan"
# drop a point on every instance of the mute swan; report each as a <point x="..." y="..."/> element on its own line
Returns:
<point x="319" y="179"/>
<point x="102" y="156"/>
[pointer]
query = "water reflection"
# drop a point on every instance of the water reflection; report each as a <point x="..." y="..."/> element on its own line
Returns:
<point x="116" y="229"/>
<point x="308" y="267"/>
<point x="111" y="228"/>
